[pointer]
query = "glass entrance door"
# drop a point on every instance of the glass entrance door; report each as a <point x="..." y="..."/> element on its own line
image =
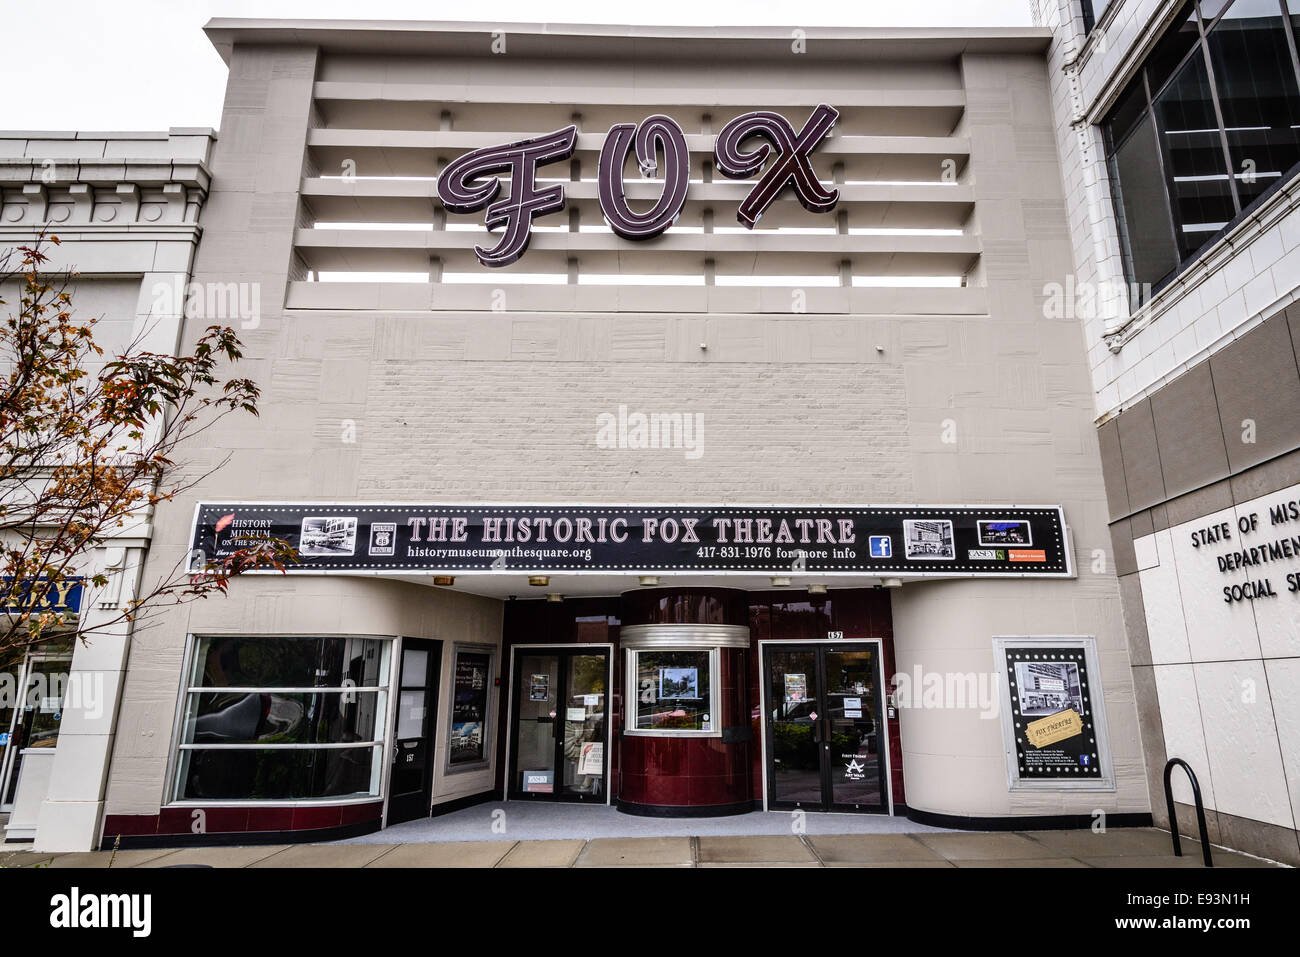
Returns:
<point x="854" y="741"/>
<point x="825" y="740"/>
<point x="560" y="707"/>
<point x="410" y="786"/>
<point x="32" y="719"/>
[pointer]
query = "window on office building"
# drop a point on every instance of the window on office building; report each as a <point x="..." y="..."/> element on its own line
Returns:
<point x="283" y="718"/>
<point x="1092" y="11"/>
<point x="1209" y="126"/>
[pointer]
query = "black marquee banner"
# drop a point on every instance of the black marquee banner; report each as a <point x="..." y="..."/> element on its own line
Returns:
<point x="941" y="541"/>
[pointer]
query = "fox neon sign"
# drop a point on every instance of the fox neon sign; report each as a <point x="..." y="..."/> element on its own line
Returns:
<point x="473" y="181"/>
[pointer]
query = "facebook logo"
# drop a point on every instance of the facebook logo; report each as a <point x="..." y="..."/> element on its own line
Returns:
<point x="1083" y="759"/>
<point x="881" y="546"/>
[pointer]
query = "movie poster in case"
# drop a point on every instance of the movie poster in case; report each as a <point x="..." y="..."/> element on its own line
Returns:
<point x="1052" y="720"/>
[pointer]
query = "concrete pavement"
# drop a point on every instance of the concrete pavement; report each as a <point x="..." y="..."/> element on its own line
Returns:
<point x="1123" y="847"/>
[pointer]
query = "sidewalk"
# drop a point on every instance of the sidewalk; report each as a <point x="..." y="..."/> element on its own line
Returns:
<point x="1124" y="847"/>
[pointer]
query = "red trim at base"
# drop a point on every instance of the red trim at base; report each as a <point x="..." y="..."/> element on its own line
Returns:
<point x="300" y="819"/>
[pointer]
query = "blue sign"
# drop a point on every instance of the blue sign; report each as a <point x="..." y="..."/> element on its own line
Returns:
<point x="4" y="739"/>
<point x="882" y="546"/>
<point x="60" y="596"/>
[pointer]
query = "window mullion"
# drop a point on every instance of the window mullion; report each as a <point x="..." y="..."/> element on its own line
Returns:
<point x="1289" y="30"/>
<point x="1218" y="115"/>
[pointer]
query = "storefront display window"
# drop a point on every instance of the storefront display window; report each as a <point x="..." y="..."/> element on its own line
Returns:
<point x="32" y="718"/>
<point x="280" y="718"/>
<point x="471" y="693"/>
<point x="674" y="691"/>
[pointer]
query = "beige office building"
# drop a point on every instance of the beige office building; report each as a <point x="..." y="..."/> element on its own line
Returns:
<point x="1179" y="134"/>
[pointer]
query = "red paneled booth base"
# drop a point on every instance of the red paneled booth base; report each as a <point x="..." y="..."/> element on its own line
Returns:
<point x="301" y="823"/>
<point x="697" y="773"/>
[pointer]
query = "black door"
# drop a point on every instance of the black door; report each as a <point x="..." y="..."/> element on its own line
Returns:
<point x="410" y="788"/>
<point x="825" y="737"/>
<point x="558" y="739"/>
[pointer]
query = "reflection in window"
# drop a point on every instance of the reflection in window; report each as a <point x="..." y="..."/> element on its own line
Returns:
<point x="1179" y="39"/>
<point x="1258" y="95"/>
<point x="1220" y="97"/>
<point x="1141" y="209"/>
<point x="276" y="774"/>
<point x="673" y="690"/>
<point x="283" y="718"/>
<point x="1092" y="11"/>
<point x="1193" y="154"/>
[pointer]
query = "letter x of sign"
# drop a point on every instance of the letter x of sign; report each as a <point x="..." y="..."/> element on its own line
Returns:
<point x="465" y="186"/>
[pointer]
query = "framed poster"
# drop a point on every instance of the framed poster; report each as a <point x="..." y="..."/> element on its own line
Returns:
<point x="796" y="688"/>
<point x="539" y="688"/>
<point x="471" y="686"/>
<point x="679" y="683"/>
<point x="1053" y="718"/>
<point x="591" y="761"/>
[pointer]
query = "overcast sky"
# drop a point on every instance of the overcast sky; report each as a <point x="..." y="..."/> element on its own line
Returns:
<point x="146" y="64"/>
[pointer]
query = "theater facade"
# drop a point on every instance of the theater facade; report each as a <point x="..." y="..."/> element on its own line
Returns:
<point x="746" y="473"/>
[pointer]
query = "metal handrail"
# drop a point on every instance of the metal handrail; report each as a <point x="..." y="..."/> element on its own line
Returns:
<point x="1200" y="809"/>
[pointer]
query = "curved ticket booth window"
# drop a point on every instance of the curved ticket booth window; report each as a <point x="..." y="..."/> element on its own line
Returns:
<point x="686" y="735"/>
<point x="673" y="691"/>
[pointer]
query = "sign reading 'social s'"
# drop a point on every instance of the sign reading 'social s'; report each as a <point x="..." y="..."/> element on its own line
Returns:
<point x="907" y="540"/>
<point x="474" y="181"/>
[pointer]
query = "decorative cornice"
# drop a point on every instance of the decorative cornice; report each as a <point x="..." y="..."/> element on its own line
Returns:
<point x="97" y="193"/>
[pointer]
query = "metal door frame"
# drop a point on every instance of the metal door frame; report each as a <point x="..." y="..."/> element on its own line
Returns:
<point x="609" y="708"/>
<point x="433" y="687"/>
<point x="883" y="717"/>
<point x="11" y="755"/>
<point x="11" y="749"/>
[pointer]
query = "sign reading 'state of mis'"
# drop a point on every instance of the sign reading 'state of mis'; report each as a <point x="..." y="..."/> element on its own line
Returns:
<point x="934" y="540"/>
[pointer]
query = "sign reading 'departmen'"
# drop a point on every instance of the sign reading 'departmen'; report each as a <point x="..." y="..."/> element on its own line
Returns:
<point x="440" y="537"/>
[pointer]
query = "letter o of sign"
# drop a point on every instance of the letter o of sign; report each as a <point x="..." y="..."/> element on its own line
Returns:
<point x="653" y="134"/>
